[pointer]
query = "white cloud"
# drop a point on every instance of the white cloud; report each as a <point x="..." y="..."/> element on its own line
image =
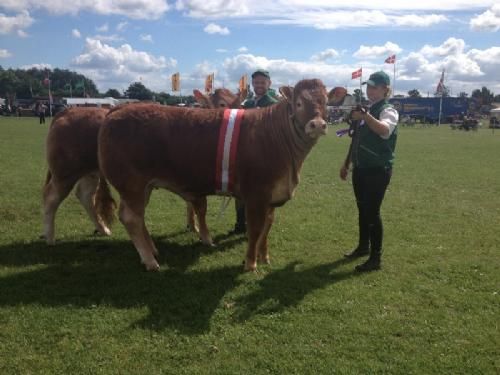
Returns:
<point x="221" y="50"/>
<point x="17" y="23"/>
<point x="329" y="53"/>
<point x="214" y="8"/>
<point x="41" y="66"/>
<point x="76" y="33"/>
<point x="121" y="26"/>
<point x="4" y="54"/>
<point x="147" y="38"/>
<point x="213" y="28"/>
<point x="136" y="9"/>
<point x="243" y="49"/>
<point x="367" y="52"/>
<point x="452" y="46"/>
<point x="22" y="34"/>
<point x="103" y="28"/>
<point x="487" y="21"/>
<point x="108" y="38"/>
<point x="117" y="67"/>
<point x="414" y="20"/>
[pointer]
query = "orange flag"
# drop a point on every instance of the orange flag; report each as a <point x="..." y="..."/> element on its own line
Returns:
<point x="176" y="82"/>
<point x="243" y="82"/>
<point x="209" y="83"/>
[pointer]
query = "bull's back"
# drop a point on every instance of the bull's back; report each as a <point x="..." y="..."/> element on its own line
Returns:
<point x="148" y="142"/>
<point x="71" y="144"/>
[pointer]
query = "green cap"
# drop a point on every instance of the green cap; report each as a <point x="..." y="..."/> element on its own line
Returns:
<point x="261" y="72"/>
<point x="378" y="79"/>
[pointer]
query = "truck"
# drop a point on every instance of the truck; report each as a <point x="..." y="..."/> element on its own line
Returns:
<point x="427" y="109"/>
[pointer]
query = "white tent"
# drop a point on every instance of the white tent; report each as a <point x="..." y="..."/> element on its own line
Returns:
<point x="495" y="112"/>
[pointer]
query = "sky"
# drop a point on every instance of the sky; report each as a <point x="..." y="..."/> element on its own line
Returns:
<point x="118" y="42"/>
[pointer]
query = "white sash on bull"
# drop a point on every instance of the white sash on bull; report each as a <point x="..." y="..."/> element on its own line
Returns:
<point x="229" y="134"/>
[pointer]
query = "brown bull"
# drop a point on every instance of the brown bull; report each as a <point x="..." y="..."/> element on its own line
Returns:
<point x="71" y="151"/>
<point x="145" y="146"/>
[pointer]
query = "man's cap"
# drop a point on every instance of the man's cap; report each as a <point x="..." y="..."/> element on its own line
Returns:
<point x="378" y="79"/>
<point x="261" y="72"/>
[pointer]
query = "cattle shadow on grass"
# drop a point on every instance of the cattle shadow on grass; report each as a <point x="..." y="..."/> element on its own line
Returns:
<point x="109" y="274"/>
<point x="287" y="287"/>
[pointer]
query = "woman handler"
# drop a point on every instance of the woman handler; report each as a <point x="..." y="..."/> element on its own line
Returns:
<point x="372" y="155"/>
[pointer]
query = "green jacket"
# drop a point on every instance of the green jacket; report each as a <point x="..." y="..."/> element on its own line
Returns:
<point x="369" y="149"/>
<point x="264" y="101"/>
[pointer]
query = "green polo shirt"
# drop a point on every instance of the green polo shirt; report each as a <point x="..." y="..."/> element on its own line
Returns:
<point x="370" y="150"/>
<point x="264" y="101"/>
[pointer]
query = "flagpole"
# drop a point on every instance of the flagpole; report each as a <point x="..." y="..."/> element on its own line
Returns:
<point x="394" y="80"/>
<point x="50" y="98"/>
<point x="360" y="87"/>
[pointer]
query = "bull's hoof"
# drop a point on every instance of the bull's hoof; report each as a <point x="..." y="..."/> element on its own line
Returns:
<point x="250" y="266"/>
<point x="265" y="260"/>
<point x="155" y="267"/>
<point x="105" y="232"/>
<point x="208" y="242"/>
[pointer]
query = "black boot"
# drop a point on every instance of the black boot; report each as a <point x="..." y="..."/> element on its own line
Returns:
<point x="240" y="226"/>
<point x="358" y="252"/>
<point x="372" y="264"/>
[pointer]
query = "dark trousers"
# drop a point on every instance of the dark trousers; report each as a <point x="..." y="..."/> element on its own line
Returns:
<point x="240" y="215"/>
<point x="42" y="118"/>
<point x="369" y="186"/>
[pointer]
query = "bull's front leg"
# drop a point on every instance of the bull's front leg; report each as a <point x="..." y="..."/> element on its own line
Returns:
<point x="256" y="212"/>
<point x="263" y="255"/>
<point x="200" y="207"/>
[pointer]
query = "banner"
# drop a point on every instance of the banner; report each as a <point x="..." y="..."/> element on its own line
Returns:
<point x="356" y="74"/>
<point x="176" y="82"/>
<point x="243" y="84"/>
<point x="440" y="86"/>
<point x="391" y="59"/>
<point x="209" y="83"/>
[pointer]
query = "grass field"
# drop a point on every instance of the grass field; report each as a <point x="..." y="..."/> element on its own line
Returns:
<point x="86" y="306"/>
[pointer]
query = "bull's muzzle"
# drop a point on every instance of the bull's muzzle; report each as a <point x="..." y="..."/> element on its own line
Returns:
<point x="316" y="127"/>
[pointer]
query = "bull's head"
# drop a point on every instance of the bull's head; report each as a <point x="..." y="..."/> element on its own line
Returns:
<point x="221" y="98"/>
<point x="308" y="102"/>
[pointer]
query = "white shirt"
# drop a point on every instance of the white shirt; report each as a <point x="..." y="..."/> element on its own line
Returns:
<point x="389" y="117"/>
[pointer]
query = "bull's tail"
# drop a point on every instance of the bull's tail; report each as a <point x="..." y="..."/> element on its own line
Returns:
<point x="104" y="203"/>
<point x="48" y="177"/>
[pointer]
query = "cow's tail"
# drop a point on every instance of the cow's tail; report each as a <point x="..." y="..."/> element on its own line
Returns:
<point x="48" y="177"/>
<point x="104" y="203"/>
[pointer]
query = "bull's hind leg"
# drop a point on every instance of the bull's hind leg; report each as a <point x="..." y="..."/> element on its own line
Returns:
<point x="263" y="255"/>
<point x="132" y="217"/>
<point x="190" y="222"/>
<point x="85" y="191"/>
<point x="147" y="196"/>
<point x="200" y="207"/>
<point x="54" y="192"/>
<point x="256" y="223"/>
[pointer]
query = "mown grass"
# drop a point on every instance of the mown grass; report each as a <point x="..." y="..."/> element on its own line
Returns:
<point x="86" y="306"/>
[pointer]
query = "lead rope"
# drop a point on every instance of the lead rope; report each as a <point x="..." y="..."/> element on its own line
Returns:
<point x="223" y="205"/>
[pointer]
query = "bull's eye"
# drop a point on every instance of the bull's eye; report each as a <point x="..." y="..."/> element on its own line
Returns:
<point x="299" y="104"/>
<point x="222" y="105"/>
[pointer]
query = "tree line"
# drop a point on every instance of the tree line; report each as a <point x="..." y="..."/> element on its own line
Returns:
<point x="34" y="84"/>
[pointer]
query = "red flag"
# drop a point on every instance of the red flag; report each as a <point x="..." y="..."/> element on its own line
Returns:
<point x="391" y="59"/>
<point x="356" y="74"/>
<point x="440" y="86"/>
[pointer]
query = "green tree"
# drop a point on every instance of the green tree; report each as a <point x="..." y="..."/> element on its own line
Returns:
<point x="414" y="94"/>
<point x="114" y="93"/>
<point x="484" y="95"/>
<point x="138" y="91"/>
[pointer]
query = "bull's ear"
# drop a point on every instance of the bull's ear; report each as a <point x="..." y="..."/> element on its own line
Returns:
<point x="202" y="99"/>
<point x="287" y="93"/>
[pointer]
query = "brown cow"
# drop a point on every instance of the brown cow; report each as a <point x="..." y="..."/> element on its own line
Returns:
<point x="71" y="149"/>
<point x="145" y="145"/>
